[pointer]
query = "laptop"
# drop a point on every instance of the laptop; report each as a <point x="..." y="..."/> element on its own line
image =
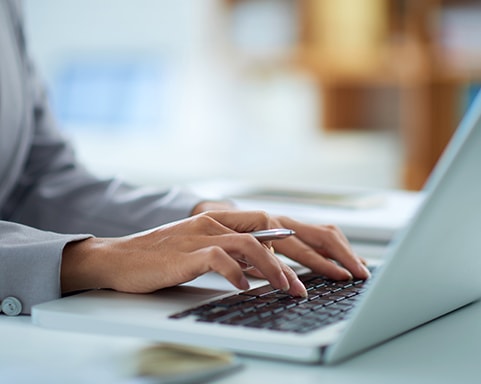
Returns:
<point x="431" y="268"/>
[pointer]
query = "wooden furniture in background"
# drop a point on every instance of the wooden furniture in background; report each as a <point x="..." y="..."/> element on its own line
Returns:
<point x="402" y="48"/>
<point x="355" y="48"/>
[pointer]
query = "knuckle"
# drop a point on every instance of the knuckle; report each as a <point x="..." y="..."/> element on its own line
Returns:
<point x="263" y="218"/>
<point x="249" y="241"/>
<point x="215" y="253"/>
<point x="331" y="230"/>
<point x="284" y="219"/>
<point x="219" y="260"/>
<point x="204" y="221"/>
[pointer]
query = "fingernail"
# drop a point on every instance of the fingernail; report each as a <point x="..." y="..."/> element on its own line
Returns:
<point x="244" y="283"/>
<point x="298" y="289"/>
<point x="349" y="276"/>
<point x="363" y="270"/>
<point x="284" y="283"/>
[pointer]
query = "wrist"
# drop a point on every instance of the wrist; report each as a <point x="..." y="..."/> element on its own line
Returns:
<point x="82" y="266"/>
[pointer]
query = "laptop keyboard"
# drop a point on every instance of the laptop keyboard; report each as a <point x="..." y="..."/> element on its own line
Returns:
<point x="328" y="302"/>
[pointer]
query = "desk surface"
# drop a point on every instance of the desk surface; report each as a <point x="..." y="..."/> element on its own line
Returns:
<point x="447" y="350"/>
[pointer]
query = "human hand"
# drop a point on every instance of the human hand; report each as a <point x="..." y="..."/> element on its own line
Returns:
<point x="322" y="248"/>
<point x="176" y="253"/>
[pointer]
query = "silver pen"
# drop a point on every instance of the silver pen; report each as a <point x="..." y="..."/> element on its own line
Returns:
<point x="267" y="235"/>
<point x="272" y="234"/>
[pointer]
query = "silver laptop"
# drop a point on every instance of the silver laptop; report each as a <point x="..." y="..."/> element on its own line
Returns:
<point x="431" y="268"/>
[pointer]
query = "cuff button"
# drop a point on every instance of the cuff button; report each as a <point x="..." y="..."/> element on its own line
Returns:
<point x="11" y="306"/>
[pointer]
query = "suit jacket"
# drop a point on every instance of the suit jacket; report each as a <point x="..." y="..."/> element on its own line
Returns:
<point x="47" y="198"/>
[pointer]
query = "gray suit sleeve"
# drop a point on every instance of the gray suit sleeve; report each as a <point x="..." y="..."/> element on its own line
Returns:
<point x="47" y="198"/>
<point x="31" y="260"/>
<point x="56" y="193"/>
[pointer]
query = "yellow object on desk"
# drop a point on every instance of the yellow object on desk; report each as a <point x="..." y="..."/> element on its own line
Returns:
<point x="175" y="363"/>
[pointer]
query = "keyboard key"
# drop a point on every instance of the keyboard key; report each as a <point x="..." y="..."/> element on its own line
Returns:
<point x="265" y="307"/>
<point x="261" y="291"/>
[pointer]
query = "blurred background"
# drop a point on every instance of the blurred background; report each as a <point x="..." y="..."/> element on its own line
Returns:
<point x="344" y="93"/>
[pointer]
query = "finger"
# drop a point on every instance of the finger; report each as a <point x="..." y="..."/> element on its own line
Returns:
<point x="296" y="288"/>
<point x="201" y="224"/>
<point x="334" y="247"/>
<point x="255" y="273"/>
<point x="312" y="259"/>
<point x="363" y="261"/>
<point x="246" y="266"/>
<point x="347" y="242"/>
<point x="247" y="249"/>
<point x="215" y="259"/>
<point x="241" y="221"/>
<point x="242" y="247"/>
<point x="326" y="240"/>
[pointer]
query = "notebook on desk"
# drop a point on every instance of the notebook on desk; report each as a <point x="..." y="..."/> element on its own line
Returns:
<point x="431" y="268"/>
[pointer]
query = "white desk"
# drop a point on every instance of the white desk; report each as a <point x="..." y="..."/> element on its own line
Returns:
<point x="445" y="351"/>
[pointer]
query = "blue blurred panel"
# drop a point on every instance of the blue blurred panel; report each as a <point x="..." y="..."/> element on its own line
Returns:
<point x="113" y="94"/>
<point x="473" y="90"/>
